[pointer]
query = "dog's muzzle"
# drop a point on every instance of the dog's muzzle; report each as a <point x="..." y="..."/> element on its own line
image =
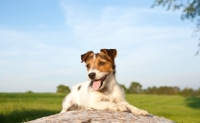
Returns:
<point x="97" y="83"/>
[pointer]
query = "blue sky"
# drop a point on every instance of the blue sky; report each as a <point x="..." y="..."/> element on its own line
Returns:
<point x="41" y="43"/>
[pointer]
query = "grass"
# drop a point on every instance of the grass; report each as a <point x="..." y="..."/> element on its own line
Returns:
<point x="177" y="108"/>
<point x="19" y="107"/>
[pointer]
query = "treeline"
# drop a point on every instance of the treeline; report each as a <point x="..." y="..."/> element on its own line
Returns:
<point x="136" y="88"/>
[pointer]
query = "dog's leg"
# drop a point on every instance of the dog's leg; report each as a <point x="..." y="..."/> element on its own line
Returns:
<point x="134" y="109"/>
<point x="67" y="102"/>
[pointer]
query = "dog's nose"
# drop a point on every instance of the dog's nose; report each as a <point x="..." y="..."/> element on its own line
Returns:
<point x="92" y="75"/>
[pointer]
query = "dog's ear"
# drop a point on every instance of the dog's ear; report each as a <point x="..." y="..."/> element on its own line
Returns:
<point x="112" y="53"/>
<point x="85" y="56"/>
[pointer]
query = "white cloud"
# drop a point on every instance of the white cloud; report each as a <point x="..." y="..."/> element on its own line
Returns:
<point x="149" y="50"/>
<point x="114" y="26"/>
<point x="27" y="60"/>
<point x="146" y="48"/>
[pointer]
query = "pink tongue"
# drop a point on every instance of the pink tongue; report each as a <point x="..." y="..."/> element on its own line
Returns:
<point x="96" y="85"/>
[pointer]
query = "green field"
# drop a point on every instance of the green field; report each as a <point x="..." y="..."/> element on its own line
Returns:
<point x="19" y="107"/>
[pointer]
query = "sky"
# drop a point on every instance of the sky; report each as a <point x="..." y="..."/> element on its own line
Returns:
<point x="41" y="42"/>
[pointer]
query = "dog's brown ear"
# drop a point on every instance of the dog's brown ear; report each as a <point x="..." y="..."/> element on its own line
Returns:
<point x="112" y="53"/>
<point x="85" y="56"/>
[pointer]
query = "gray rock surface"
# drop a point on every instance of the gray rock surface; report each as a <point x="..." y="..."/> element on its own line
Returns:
<point x="95" y="116"/>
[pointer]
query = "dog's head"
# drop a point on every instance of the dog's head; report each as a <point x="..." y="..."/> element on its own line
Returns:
<point x="99" y="67"/>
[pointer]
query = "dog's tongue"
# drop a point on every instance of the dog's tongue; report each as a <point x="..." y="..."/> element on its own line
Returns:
<point x="96" y="85"/>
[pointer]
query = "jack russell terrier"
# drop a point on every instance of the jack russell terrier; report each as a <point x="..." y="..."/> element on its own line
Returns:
<point x="101" y="92"/>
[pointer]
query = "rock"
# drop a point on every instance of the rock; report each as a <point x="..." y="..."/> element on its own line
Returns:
<point x="95" y="116"/>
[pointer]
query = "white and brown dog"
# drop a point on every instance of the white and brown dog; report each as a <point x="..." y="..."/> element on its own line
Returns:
<point x="101" y="91"/>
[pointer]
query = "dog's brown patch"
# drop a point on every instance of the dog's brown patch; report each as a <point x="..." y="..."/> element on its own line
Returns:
<point x="112" y="53"/>
<point x="79" y="87"/>
<point x="90" y="62"/>
<point x="103" y="61"/>
<point x="100" y="62"/>
<point x="103" y="64"/>
<point x="86" y="56"/>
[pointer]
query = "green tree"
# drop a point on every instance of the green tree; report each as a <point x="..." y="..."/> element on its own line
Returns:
<point x="190" y="10"/>
<point x="198" y="92"/>
<point x="29" y="91"/>
<point x="63" y="89"/>
<point x="187" y="92"/>
<point x="151" y="90"/>
<point x="168" y="90"/>
<point x="124" y="88"/>
<point x="135" y="87"/>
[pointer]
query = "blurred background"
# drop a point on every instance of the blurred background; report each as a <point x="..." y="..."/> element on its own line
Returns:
<point x="41" y="43"/>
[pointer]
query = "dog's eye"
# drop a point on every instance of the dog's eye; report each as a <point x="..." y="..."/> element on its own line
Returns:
<point x="101" y="63"/>
<point x="87" y="65"/>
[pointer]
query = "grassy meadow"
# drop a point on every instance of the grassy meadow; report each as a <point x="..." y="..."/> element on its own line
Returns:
<point x="20" y="107"/>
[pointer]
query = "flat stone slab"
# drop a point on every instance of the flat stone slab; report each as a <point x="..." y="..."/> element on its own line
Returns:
<point x="96" y="116"/>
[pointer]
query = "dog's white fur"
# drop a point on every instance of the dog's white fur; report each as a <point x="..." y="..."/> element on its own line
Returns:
<point x="84" y="97"/>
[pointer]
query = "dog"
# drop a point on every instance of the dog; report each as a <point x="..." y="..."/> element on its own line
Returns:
<point x="101" y="92"/>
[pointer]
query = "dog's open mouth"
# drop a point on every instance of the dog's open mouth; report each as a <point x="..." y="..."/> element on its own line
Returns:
<point x="98" y="83"/>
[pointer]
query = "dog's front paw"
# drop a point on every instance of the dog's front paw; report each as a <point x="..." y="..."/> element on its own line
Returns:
<point x="119" y="108"/>
<point x="63" y="111"/>
<point x="141" y="112"/>
<point x="123" y="108"/>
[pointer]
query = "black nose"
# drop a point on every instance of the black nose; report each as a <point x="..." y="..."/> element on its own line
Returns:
<point x="92" y="75"/>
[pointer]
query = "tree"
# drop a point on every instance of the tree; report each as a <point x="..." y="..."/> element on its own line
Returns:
<point x="135" y="87"/>
<point x="198" y="92"/>
<point x="152" y="90"/>
<point x="190" y="10"/>
<point x="168" y="90"/>
<point x="187" y="92"/>
<point x="124" y="88"/>
<point x="63" y="89"/>
<point x="29" y="92"/>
